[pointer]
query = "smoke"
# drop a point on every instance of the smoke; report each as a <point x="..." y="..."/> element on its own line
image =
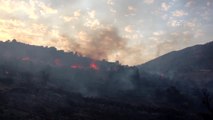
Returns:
<point x="173" y="41"/>
<point x="107" y="44"/>
<point x="97" y="44"/>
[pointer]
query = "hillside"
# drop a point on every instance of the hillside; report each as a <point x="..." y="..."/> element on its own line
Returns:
<point x="68" y="70"/>
<point x="42" y="83"/>
<point x="17" y="51"/>
<point x="193" y="63"/>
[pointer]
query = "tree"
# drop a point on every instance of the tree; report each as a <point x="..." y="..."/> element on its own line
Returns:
<point x="206" y="99"/>
<point x="45" y="75"/>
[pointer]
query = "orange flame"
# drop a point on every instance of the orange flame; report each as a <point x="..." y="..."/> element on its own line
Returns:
<point x="94" y="66"/>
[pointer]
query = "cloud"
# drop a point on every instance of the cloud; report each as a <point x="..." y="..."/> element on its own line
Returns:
<point x="191" y="24"/>
<point x="175" y="23"/>
<point x="75" y="16"/>
<point x="159" y="33"/>
<point x="110" y="2"/>
<point x="26" y="32"/>
<point x="189" y="3"/>
<point x="149" y="1"/>
<point x="131" y="8"/>
<point x="67" y="18"/>
<point x="92" y="24"/>
<point x="32" y="8"/>
<point x="77" y="13"/>
<point x="22" y="7"/>
<point x="208" y="3"/>
<point x="44" y="9"/>
<point x="165" y="6"/>
<point x="92" y="14"/>
<point x="128" y="29"/>
<point x="179" y="13"/>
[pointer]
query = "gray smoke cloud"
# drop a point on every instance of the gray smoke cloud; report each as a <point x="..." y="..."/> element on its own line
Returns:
<point x="99" y="44"/>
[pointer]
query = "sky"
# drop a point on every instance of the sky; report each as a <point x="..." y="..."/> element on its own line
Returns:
<point x="130" y="31"/>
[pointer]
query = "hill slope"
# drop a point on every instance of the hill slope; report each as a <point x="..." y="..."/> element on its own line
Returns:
<point x="193" y="63"/>
<point x="41" y="83"/>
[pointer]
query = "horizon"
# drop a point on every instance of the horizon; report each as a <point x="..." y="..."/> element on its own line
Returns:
<point x="114" y="30"/>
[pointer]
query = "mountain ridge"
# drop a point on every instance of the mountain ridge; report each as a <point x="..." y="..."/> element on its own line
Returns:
<point x="192" y="63"/>
<point x="193" y="50"/>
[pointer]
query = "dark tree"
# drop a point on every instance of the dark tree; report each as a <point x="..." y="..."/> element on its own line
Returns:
<point x="206" y="99"/>
<point x="45" y="75"/>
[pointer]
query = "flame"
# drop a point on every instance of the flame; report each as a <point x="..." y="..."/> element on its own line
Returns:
<point x="76" y="66"/>
<point x="94" y="66"/>
<point x="25" y="59"/>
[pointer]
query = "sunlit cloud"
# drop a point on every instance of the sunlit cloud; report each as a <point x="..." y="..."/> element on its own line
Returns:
<point x="67" y="18"/>
<point x="158" y="33"/>
<point x="32" y="8"/>
<point x="165" y="6"/>
<point x="131" y="8"/>
<point x="128" y="29"/>
<point x="110" y="2"/>
<point x="45" y="10"/>
<point x="77" y="13"/>
<point x="179" y="13"/>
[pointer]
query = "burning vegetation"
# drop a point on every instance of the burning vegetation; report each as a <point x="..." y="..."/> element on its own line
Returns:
<point x="58" y="62"/>
<point x="76" y="66"/>
<point x="94" y="66"/>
